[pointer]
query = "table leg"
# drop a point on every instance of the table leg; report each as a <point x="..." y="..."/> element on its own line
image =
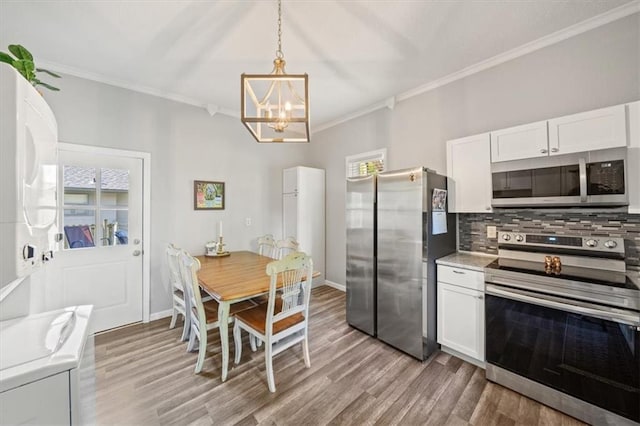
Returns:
<point x="223" y="321"/>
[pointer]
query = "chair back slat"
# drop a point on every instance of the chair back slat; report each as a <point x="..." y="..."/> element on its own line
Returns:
<point x="267" y="246"/>
<point x="189" y="270"/>
<point x="173" y="262"/>
<point x="294" y="272"/>
<point x="285" y="247"/>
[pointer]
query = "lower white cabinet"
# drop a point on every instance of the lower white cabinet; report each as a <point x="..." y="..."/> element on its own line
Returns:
<point x="43" y="402"/>
<point x="461" y="315"/>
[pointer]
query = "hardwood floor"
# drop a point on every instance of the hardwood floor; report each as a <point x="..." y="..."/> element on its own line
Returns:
<point x="144" y="376"/>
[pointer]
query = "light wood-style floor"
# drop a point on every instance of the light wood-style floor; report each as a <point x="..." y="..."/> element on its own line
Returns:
<point x="145" y="377"/>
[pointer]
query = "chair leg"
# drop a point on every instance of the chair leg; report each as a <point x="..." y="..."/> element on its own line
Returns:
<point x="258" y="342"/>
<point x="202" y="350"/>
<point x="192" y="341"/>
<point x="185" y="329"/>
<point x="252" y="342"/>
<point x="268" y="357"/>
<point x="305" y="350"/>
<point x="174" y="317"/>
<point x="237" y="338"/>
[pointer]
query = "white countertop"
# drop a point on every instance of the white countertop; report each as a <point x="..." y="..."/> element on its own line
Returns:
<point x="467" y="260"/>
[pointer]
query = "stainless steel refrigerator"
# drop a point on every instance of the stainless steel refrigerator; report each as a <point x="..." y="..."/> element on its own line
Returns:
<point x="397" y="225"/>
<point x="413" y="230"/>
<point x="361" y="253"/>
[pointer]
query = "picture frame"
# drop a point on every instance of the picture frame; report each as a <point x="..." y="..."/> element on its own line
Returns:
<point x="208" y="195"/>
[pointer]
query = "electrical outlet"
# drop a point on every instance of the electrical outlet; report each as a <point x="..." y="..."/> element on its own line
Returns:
<point x="492" y="231"/>
<point x="247" y="221"/>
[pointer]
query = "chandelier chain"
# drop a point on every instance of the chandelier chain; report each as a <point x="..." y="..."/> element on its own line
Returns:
<point x="279" y="53"/>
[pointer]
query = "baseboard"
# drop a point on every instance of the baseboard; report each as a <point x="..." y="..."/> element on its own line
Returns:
<point x="337" y="286"/>
<point x="159" y="315"/>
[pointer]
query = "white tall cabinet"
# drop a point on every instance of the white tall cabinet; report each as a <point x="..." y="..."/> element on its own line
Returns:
<point x="303" y="212"/>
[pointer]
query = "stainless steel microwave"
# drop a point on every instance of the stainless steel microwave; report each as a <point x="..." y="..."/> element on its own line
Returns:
<point x="595" y="178"/>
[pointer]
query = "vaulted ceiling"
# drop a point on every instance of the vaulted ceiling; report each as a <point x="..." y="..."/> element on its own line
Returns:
<point x="357" y="53"/>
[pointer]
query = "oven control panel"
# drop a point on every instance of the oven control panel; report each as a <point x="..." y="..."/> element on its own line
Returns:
<point x="590" y="243"/>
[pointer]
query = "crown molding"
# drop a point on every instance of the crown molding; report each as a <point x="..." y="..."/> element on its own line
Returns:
<point x="548" y="40"/>
<point x="100" y="78"/>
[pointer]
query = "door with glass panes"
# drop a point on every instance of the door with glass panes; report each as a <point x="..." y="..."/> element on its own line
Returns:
<point x="100" y="261"/>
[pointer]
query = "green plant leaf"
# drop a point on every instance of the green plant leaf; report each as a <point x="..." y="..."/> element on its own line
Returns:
<point x="5" y="57"/>
<point x="48" y="86"/>
<point x="52" y="74"/>
<point x="20" y="52"/>
<point x="19" y="65"/>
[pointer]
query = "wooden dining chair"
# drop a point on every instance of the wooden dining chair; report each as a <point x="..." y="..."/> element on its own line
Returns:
<point x="204" y="315"/>
<point x="285" y="247"/>
<point x="284" y="320"/>
<point x="267" y="246"/>
<point x="180" y="300"/>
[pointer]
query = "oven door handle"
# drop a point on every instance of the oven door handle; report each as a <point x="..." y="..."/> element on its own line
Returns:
<point x="574" y="306"/>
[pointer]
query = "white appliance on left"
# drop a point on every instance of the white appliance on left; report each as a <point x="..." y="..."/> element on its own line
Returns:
<point x="28" y="178"/>
<point x="47" y="370"/>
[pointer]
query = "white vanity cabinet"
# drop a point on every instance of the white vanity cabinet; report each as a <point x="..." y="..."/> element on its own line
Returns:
<point x="461" y="312"/>
<point x="469" y="174"/>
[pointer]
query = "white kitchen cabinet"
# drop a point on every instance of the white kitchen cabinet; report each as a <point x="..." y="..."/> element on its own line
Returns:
<point x="469" y="173"/>
<point x="41" y="402"/>
<point x="461" y="311"/>
<point x="588" y="131"/>
<point x="633" y="157"/>
<point x="303" y="215"/>
<point x="519" y="142"/>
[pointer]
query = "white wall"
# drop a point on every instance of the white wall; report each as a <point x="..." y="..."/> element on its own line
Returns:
<point x="595" y="69"/>
<point x="186" y="144"/>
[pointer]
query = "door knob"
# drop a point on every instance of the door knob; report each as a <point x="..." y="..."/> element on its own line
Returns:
<point x="543" y="151"/>
<point x="137" y="252"/>
<point x="136" y="241"/>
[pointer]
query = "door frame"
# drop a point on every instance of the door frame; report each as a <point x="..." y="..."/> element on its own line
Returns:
<point x="146" y="205"/>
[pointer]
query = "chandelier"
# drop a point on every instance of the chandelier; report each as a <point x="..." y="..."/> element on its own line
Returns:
<point x="275" y="107"/>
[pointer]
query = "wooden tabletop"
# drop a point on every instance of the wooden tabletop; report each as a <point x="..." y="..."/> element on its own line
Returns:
<point x="239" y="275"/>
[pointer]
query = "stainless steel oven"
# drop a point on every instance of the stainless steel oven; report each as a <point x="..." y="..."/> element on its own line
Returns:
<point x="563" y="325"/>
<point x="585" y="179"/>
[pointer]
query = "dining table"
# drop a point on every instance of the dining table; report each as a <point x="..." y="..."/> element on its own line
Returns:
<point x="230" y="279"/>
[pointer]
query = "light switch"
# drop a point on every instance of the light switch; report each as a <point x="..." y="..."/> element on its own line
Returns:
<point x="247" y="221"/>
<point x="492" y="231"/>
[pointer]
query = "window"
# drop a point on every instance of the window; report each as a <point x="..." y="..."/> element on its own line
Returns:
<point x="367" y="163"/>
<point x="95" y="210"/>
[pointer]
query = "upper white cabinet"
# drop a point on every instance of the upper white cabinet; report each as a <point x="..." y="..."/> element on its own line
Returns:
<point x="516" y="143"/>
<point x="469" y="172"/>
<point x="588" y="131"/>
<point x="633" y="157"/>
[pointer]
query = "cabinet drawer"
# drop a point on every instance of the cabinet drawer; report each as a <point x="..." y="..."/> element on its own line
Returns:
<point x="462" y="277"/>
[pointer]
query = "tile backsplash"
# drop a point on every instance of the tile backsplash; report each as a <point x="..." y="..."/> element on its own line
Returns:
<point x="473" y="232"/>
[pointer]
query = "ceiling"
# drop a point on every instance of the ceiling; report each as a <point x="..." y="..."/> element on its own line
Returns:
<point x="357" y="53"/>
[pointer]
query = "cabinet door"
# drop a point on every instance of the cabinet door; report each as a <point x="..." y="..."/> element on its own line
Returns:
<point x="43" y="402"/>
<point x="289" y="180"/>
<point x="588" y="131"/>
<point x="469" y="172"/>
<point x="633" y="157"/>
<point x="516" y="143"/>
<point x="461" y="320"/>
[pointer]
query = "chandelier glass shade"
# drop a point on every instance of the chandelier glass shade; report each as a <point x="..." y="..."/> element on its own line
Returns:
<point x="275" y="107"/>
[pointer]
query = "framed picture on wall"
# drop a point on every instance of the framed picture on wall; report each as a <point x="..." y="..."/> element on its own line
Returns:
<point x="208" y="195"/>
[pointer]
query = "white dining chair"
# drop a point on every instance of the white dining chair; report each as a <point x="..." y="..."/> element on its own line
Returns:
<point x="180" y="300"/>
<point x="285" y="247"/>
<point x="267" y="246"/>
<point x="204" y="315"/>
<point x="284" y="321"/>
